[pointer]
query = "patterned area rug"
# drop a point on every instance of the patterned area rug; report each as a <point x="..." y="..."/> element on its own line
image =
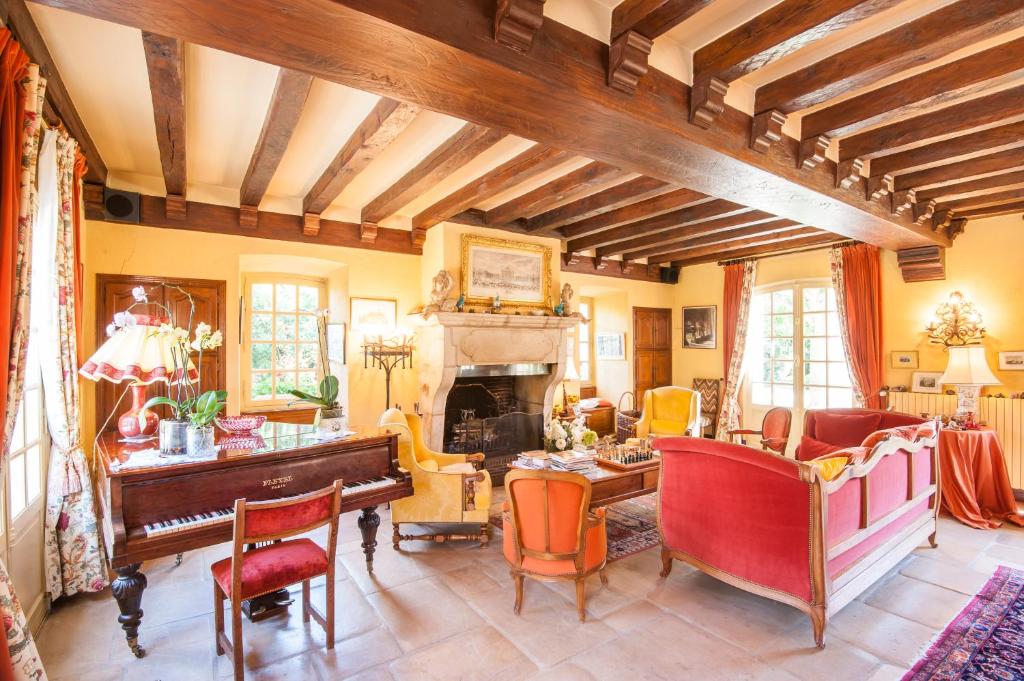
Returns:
<point x="985" y="641"/>
<point x="632" y="526"/>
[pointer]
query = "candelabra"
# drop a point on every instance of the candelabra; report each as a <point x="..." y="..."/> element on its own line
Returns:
<point x="387" y="354"/>
<point x="957" y="322"/>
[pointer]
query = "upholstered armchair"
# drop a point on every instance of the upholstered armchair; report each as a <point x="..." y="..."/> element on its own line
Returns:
<point x="447" y="488"/>
<point x="670" y="410"/>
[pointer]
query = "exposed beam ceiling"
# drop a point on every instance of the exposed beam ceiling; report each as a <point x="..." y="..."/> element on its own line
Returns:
<point x="166" y="65"/>
<point x="970" y="188"/>
<point x="721" y="249"/>
<point x="570" y="187"/>
<point x="657" y="205"/>
<point x="795" y="245"/>
<point x="643" y="246"/>
<point x="955" y="172"/>
<point x="620" y="195"/>
<point x="974" y="143"/>
<point x="651" y="18"/>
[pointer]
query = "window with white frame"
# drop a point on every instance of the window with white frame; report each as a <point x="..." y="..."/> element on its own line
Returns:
<point x="583" y="342"/>
<point x="279" y="338"/>
<point x="28" y="441"/>
<point x="795" y="351"/>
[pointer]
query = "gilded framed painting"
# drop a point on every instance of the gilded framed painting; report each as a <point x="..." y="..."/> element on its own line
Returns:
<point x="517" y="273"/>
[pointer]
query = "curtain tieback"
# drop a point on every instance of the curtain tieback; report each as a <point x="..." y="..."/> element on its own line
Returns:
<point x="72" y="482"/>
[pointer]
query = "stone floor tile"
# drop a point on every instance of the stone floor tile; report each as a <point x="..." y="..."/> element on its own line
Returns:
<point x="352" y="612"/>
<point x="357" y="655"/>
<point x="481" y="654"/>
<point x="423" y="612"/>
<point x="888" y="637"/>
<point x="563" y="672"/>
<point x="796" y="652"/>
<point x="931" y="605"/>
<point x="631" y="616"/>
<point x="291" y="669"/>
<point x="380" y="673"/>
<point x="944" y="574"/>
<point x="887" y="672"/>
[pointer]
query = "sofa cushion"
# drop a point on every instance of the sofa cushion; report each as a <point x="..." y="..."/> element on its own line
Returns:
<point x="829" y="466"/>
<point x="845" y="430"/>
<point x="813" y="449"/>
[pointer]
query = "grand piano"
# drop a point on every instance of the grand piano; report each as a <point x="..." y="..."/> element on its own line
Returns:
<point x="155" y="506"/>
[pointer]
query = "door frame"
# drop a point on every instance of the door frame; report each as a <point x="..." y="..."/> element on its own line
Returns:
<point x="636" y="336"/>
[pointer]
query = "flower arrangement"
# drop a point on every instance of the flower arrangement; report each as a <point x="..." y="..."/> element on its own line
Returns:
<point x="559" y="436"/>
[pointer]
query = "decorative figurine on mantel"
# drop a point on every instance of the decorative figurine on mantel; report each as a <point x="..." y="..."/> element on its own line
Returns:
<point x="564" y="307"/>
<point x="443" y="283"/>
<point x="496" y="305"/>
<point x="460" y="304"/>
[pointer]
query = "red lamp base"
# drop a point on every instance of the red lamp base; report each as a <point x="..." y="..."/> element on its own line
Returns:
<point x="138" y="422"/>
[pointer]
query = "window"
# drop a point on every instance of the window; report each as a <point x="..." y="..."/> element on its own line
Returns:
<point x="584" y="344"/>
<point x="25" y="460"/>
<point x="280" y="350"/>
<point x="795" y="351"/>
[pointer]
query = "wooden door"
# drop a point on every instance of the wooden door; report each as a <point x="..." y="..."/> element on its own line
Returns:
<point x="652" y="349"/>
<point x="114" y="294"/>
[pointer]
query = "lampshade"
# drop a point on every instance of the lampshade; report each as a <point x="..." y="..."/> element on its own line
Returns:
<point x="967" y="366"/>
<point x="138" y="352"/>
<point x="571" y="374"/>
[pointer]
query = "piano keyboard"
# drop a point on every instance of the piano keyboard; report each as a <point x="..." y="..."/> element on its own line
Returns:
<point x="224" y="515"/>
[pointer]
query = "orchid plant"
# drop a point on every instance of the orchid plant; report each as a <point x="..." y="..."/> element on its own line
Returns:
<point x="327" y="396"/>
<point x="559" y="436"/>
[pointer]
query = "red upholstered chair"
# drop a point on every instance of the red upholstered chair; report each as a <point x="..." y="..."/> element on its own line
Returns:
<point x="774" y="430"/>
<point x="549" y="535"/>
<point x="275" y="566"/>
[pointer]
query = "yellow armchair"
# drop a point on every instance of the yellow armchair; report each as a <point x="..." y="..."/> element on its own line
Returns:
<point x="447" y="488"/>
<point x="669" y="410"/>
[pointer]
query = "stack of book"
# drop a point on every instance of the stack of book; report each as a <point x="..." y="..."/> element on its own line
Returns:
<point x="577" y="462"/>
<point x="533" y="460"/>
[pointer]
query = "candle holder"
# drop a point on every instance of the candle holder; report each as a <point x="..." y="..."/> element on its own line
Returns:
<point x="387" y="354"/>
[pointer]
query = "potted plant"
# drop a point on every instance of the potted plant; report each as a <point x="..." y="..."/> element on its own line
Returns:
<point x="330" y="415"/>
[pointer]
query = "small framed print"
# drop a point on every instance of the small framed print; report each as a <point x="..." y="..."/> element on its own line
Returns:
<point x="700" y="327"/>
<point x="905" y="359"/>
<point x="373" y="315"/>
<point x="1012" y="360"/>
<point x="610" y="345"/>
<point x="926" y="382"/>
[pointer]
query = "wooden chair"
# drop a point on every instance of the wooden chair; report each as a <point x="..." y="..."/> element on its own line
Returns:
<point x="266" y="569"/>
<point x="710" y="390"/>
<point x="774" y="430"/>
<point x="548" y="533"/>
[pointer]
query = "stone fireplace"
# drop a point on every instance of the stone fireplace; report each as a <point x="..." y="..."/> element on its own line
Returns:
<point x="487" y="380"/>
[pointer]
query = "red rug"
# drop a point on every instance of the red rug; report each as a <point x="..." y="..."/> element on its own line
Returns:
<point x="985" y="641"/>
<point x="632" y="526"/>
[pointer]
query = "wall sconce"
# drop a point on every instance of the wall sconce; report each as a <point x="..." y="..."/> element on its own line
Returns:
<point x="957" y="322"/>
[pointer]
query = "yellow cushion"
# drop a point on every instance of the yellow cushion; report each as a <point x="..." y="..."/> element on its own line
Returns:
<point x="662" y="427"/>
<point x="457" y="468"/>
<point x="830" y="467"/>
<point x="428" y="465"/>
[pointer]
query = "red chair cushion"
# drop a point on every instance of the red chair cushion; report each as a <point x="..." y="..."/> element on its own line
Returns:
<point x="845" y="430"/>
<point x="812" y="449"/>
<point x="273" y="567"/>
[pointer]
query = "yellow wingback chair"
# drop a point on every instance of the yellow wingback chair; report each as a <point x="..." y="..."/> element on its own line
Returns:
<point x="669" y="411"/>
<point x="447" y="488"/>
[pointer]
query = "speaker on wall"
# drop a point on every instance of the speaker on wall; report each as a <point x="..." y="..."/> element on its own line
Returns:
<point x="120" y="206"/>
<point x="669" y="275"/>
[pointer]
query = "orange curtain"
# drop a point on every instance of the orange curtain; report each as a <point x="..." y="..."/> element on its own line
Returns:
<point x="731" y="311"/>
<point x="79" y="274"/>
<point x="738" y="293"/>
<point x="857" y="277"/>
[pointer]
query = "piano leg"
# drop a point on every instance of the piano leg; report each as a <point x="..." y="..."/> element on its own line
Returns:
<point x="127" y="589"/>
<point x="369" y="521"/>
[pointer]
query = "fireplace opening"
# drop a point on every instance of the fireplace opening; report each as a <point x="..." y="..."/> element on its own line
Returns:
<point x="498" y="415"/>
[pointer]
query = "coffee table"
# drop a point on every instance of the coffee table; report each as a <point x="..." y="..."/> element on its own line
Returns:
<point x="609" y="485"/>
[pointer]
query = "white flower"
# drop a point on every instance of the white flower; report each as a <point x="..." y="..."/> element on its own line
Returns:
<point x="111" y="330"/>
<point x="180" y="335"/>
<point x="560" y="443"/>
<point x="165" y="328"/>
<point x="202" y="330"/>
<point x="124" y="320"/>
<point x="139" y="294"/>
<point x="215" y="340"/>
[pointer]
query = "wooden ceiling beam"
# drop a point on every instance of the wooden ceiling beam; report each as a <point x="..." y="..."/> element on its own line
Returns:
<point x="469" y="142"/>
<point x="998" y="162"/>
<point x="661" y="223"/>
<point x="1011" y="134"/>
<point x="633" y="247"/>
<point x="555" y="95"/>
<point x="516" y="22"/>
<point x="530" y="163"/>
<point x="915" y="42"/>
<point x="972" y="188"/>
<point x="709" y="232"/>
<point x="574" y="185"/>
<point x="286" y="105"/>
<point x="166" y="65"/>
<point x="914" y="99"/>
<point x="721" y="249"/>
<point x="771" y="35"/>
<point x="631" y="191"/>
<point x="375" y="133"/>
<point x="806" y="243"/>
<point x="19" y="20"/>
<point x="992" y="211"/>
<point x="663" y="203"/>
<point x="986" y="201"/>
<point x="935" y="126"/>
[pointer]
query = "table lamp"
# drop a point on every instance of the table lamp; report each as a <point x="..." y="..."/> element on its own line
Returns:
<point x="968" y="370"/>
<point x="571" y="374"/>
<point x="138" y="352"/>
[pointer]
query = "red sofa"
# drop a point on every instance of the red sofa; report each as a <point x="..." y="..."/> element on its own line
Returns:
<point x="773" y="526"/>
<point x="846" y="428"/>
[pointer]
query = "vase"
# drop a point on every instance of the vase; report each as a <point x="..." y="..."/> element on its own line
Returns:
<point x="332" y="422"/>
<point x="200" y="440"/>
<point x="138" y="423"/>
<point x="173" y="437"/>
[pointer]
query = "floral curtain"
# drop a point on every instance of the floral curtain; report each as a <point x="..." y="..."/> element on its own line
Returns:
<point x="857" y="280"/>
<point x="21" y="104"/>
<point x="739" y="290"/>
<point x="73" y="553"/>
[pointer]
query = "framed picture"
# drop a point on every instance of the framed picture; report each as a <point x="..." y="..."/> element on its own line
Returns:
<point x="610" y="345"/>
<point x="1012" y="360"/>
<point x="373" y="314"/>
<point x="906" y="359"/>
<point x="517" y="273"/>
<point x="926" y="382"/>
<point x="699" y="327"/>
<point x="336" y="342"/>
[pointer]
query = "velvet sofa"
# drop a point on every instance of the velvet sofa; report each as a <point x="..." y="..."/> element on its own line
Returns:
<point x="775" y="527"/>
<point x="829" y="429"/>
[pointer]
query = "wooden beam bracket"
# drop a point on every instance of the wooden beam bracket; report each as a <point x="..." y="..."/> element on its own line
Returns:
<point x="812" y="152"/>
<point x="367" y="232"/>
<point x="248" y="216"/>
<point x="766" y="130"/>
<point x="923" y="211"/>
<point x="902" y="201"/>
<point x="626" y="266"/>
<point x="570" y="258"/>
<point x="516" y="22"/>
<point x="941" y="218"/>
<point x="956" y="228"/>
<point x="848" y="172"/>
<point x="176" y="207"/>
<point x="924" y="263"/>
<point x="878" y="186"/>
<point x="417" y="236"/>
<point x="311" y="224"/>
<point x="627" y="61"/>
<point x="707" y="101"/>
<point x="600" y="262"/>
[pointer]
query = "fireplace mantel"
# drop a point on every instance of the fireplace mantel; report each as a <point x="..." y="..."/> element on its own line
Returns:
<point x="449" y="340"/>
